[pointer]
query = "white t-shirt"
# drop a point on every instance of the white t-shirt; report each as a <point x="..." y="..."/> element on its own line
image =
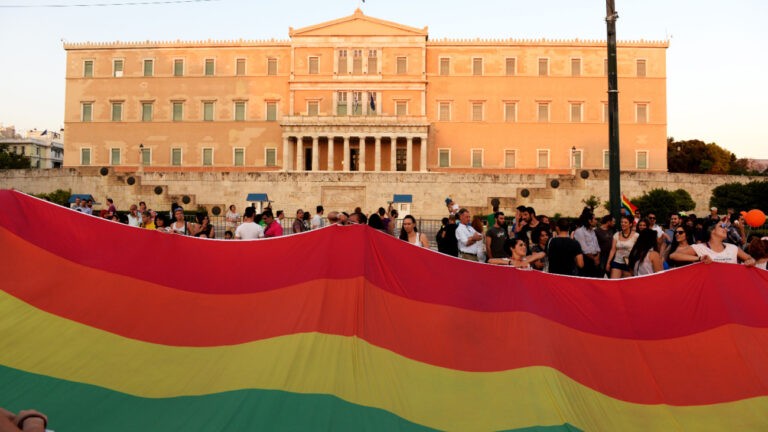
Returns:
<point x="727" y="255"/>
<point x="134" y="221"/>
<point x="248" y="231"/>
<point x="317" y="221"/>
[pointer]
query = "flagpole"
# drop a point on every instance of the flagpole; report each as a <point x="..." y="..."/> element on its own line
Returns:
<point x="614" y="193"/>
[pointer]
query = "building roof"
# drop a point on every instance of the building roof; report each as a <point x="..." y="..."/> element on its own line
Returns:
<point x="357" y="24"/>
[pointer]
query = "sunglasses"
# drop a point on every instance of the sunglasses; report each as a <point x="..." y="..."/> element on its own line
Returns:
<point x="722" y="225"/>
<point x="679" y="232"/>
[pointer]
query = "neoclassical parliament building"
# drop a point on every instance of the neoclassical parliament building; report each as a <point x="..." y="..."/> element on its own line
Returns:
<point x="362" y="94"/>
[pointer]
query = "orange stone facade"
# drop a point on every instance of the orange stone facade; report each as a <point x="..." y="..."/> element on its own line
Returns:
<point x="362" y="94"/>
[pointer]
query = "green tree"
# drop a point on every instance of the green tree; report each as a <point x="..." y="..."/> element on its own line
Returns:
<point x="738" y="196"/>
<point x="591" y="202"/>
<point x="11" y="160"/>
<point x="698" y="157"/>
<point x="59" y="196"/>
<point x="663" y="203"/>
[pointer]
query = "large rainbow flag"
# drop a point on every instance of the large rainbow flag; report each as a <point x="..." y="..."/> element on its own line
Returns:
<point x="105" y="327"/>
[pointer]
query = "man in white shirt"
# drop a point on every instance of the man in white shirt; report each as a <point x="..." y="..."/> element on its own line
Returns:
<point x="134" y="218"/>
<point x="249" y="230"/>
<point x="469" y="241"/>
<point x="317" y="219"/>
<point x="587" y="238"/>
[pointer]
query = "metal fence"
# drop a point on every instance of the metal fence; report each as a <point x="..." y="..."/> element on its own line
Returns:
<point x="430" y="227"/>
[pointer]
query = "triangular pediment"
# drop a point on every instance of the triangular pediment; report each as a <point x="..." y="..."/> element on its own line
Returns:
<point x="358" y="24"/>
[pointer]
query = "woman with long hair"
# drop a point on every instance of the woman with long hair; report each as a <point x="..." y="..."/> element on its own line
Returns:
<point x="232" y="218"/>
<point x="682" y="238"/>
<point x="540" y="238"/>
<point x="623" y="241"/>
<point x="410" y="233"/>
<point x="714" y="249"/>
<point x="758" y="248"/>
<point x="205" y="229"/>
<point x="644" y="258"/>
<point x="518" y="255"/>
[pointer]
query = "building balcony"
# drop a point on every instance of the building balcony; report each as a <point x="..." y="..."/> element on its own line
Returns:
<point x="361" y="120"/>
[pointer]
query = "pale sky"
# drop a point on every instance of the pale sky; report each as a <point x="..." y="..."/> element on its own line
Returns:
<point x="714" y="64"/>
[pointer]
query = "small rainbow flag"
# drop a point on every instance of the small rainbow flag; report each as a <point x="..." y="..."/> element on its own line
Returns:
<point x="627" y="204"/>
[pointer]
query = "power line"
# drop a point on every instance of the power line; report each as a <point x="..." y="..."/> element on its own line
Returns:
<point x="134" y="3"/>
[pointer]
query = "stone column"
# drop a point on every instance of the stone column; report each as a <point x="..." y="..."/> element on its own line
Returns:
<point x="299" y="153"/>
<point x="377" y="154"/>
<point x="315" y="153"/>
<point x="330" y="153"/>
<point x="346" y="154"/>
<point x="393" y="153"/>
<point x="409" y="154"/>
<point x="362" y="154"/>
<point x="287" y="160"/>
<point x="423" y="159"/>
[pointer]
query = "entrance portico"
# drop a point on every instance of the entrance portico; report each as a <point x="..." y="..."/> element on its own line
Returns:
<point x="354" y="143"/>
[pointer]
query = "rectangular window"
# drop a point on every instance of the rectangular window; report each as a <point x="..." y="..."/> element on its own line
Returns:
<point x="444" y="156"/>
<point x="146" y="157"/>
<point x="576" y="156"/>
<point x="400" y="159"/>
<point x="149" y="67"/>
<point x="342" y="64"/>
<point x="357" y="62"/>
<point x="178" y="67"/>
<point x="117" y="68"/>
<point x="272" y="66"/>
<point x="543" y="66"/>
<point x="373" y="62"/>
<point x="642" y="160"/>
<point x="85" y="156"/>
<point x="543" y="159"/>
<point x="445" y="66"/>
<point x="641" y="113"/>
<point x="606" y="159"/>
<point x="641" y="68"/>
<point x="314" y="65"/>
<point x="239" y="157"/>
<point x="401" y="108"/>
<point x="313" y="108"/>
<point x="207" y="111"/>
<point x="543" y="112"/>
<point x="117" y="111"/>
<point x="87" y="111"/>
<point x="575" y="67"/>
<point x="240" y="111"/>
<point x="271" y="111"/>
<point x="207" y="156"/>
<point x="511" y="66"/>
<point x="477" y="66"/>
<point x="210" y="67"/>
<point x="510" y="158"/>
<point x="240" y="66"/>
<point x="270" y="157"/>
<point x="477" y="111"/>
<point x="178" y="111"/>
<point x="477" y="158"/>
<point x="176" y="156"/>
<point x="88" y="68"/>
<point x="115" y="156"/>
<point x="444" y="111"/>
<point x="402" y="65"/>
<point x="146" y="111"/>
<point x="576" y="109"/>
<point x="341" y="103"/>
<point x="357" y="103"/>
<point x="510" y="112"/>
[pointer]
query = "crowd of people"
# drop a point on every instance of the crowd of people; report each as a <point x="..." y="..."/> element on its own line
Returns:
<point x="590" y="247"/>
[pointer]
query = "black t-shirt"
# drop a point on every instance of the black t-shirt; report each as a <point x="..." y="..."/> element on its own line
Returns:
<point x="562" y="253"/>
<point x="498" y="238"/>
